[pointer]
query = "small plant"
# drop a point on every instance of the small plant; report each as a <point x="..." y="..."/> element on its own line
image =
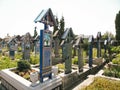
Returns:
<point x="116" y="60"/>
<point x="61" y="66"/>
<point x="19" y="49"/>
<point x="23" y="65"/>
<point x="112" y="71"/>
<point x="34" y="59"/>
<point x="18" y="55"/>
<point x="115" y="49"/>
<point x="75" y="60"/>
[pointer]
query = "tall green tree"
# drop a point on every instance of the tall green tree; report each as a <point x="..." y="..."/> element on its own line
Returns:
<point x="56" y="27"/>
<point x="107" y="34"/>
<point x="35" y="32"/>
<point x="117" y="26"/>
<point x="62" y="26"/>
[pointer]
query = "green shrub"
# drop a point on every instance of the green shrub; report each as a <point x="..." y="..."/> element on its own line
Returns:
<point x="115" y="49"/>
<point x="94" y="52"/>
<point x="34" y="59"/>
<point x="116" y="60"/>
<point x="19" y="49"/>
<point x="75" y="60"/>
<point x="23" y="65"/>
<point x="60" y="66"/>
<point x="112" y="71"/>
<point x="107" y="72"/>
<point x="84" y="54"/>
<point x="18" y="55"/>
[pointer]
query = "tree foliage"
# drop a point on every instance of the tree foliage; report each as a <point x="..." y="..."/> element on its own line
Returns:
<point x="35" y="32"/>
<point x="56" y="27"/>
<point x="23" y="65"/>
<point x="62" y="26"/>
<point x="117" y="26"/>
<point x="107" y="34"/>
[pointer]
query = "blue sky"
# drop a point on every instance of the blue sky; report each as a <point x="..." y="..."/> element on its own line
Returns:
<point x="84" y="16"/>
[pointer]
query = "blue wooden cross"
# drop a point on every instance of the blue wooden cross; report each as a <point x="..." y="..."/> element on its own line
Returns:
<point x="46" y="17"/>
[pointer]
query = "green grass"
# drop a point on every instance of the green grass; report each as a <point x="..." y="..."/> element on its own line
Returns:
<point x="34" y="59"/>
<point x="103" y="84"/>
<point x="61" y="66"/>
<point x="75" y="60"/>
<point x="6" y="62"/>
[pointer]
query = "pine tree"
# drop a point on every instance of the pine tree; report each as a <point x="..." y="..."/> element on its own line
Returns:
<point x="62" y="26"/>
<point x="35" y="33"/>
<point x="56" y="27"/>
<point x="117" y="26"/>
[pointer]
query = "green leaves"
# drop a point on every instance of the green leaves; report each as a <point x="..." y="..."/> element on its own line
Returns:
<point x="103" y="84"/>
<point x="5" y="62"/>
<point x="23" y="65"/>
<point x="117" y="26"/>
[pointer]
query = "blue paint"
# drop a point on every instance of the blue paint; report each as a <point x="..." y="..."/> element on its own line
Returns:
<point x="45" y="54"/>
<point x="45" y="27"/>
<point x="41" y="54"/>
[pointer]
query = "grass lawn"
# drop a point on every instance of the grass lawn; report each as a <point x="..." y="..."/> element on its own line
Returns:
<point x="6" y="62"/>
<point x="103" y="84"/>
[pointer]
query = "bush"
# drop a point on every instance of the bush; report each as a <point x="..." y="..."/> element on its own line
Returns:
<point x="75" y="61"/>
<point x="23" y="65"/>
<point x="116" y="60"/>
<point x="34" y="59"/>
<point x="19" y="49"/>
<point x="60" y="66"/>
<point x="18" y="55"/>
<point x="107" y="72"/>
<point x="112" y="71"/>
<point x="115" y="49"/>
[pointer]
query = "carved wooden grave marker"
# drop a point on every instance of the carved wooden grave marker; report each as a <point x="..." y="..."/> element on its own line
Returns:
<point x="46" y="17"/>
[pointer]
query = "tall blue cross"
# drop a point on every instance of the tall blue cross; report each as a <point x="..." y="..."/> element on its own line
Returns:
<point x="46" y="17"/>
